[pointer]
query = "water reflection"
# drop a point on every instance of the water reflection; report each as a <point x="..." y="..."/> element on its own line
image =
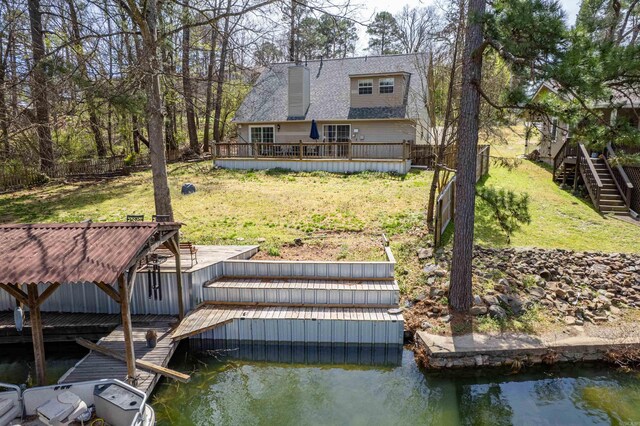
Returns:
<point x="239" y="392"/>
<point x="17" y="366"/>
<point x="301" y="353"/>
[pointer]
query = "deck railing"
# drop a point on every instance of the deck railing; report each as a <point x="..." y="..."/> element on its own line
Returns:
<point x="568" y="149"/>
<point x="589" y="174"/>
<point x="315" y="150"/>
<point x="620" y="177"/>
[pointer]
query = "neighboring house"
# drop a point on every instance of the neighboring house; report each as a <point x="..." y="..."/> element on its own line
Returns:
<point x="367" y="111"/>
<point x="554" y="132"/>
<point x="613" y="188"/>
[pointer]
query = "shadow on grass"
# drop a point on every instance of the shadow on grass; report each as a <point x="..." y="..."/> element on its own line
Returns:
<point x="45" y="203"/>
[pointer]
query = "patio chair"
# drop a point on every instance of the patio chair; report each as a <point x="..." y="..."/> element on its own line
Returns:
<point x="135" y="218"/>
<point x="160" y="218"/>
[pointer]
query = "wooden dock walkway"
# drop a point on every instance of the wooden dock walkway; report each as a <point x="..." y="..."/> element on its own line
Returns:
<point x="66" y="327"/>
<point x="211" y="316"/>
<point x="96" y="366"/>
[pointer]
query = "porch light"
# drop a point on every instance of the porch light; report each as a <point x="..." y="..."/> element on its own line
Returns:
<point x="278" y="127"/>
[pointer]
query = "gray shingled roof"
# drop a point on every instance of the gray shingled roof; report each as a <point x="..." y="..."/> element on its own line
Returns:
<point x="330" y="89"/>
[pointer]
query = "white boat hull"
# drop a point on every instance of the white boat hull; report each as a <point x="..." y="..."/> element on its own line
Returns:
<point x="116" y="402"/>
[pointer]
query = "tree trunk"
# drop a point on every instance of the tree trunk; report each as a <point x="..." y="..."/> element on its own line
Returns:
<point x="292" y="33"/>
<point x="170" y="128"/>
<point x="217" y="136"/>
<point x="4" y="118"/>
<point x="447" y="121"/>
<point x="94" y="122"/>
<point x="460" y="290"/>
<point x="39" y="88"/>
<point x="210" y="74"/>
<point x="186" y="83"/>
<point x="151" y="65"/>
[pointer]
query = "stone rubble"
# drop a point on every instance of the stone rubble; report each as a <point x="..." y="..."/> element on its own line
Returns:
<point x="576" y="287"/>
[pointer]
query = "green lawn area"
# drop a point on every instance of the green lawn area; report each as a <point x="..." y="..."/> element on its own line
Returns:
<point x="338" y="216"/>
<point x="347" y="214"/>
<point x="558" y="218"/>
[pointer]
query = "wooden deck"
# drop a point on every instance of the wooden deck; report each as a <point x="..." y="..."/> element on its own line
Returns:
<point x="66" y="327"/>
<point x="96" y="366"/>
<point x="209" y="317"/>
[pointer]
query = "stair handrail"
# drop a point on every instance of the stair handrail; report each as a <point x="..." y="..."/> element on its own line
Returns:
<point x="568" y="149"/>
<point x="589" y="174"/>
<point x="620" y="177"/>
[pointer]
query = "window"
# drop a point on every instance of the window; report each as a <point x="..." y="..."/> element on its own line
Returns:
<point x="365" y="87"/>
<point x="262" y="135"/>
<point x="386" y="85"/>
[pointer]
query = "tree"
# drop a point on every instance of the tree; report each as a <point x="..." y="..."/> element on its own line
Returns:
<point x="186" y="82"/>
<point x="528" y="35"/>
<point x="414" y="27"/>
<point x="210" y="74"/>
<point x="268" y="53"/>
<point x="85" y="82"/>
<point x="508" y="209"/>
<point x="460" y="290"/>
<point x="224" y="50"/>
<point x="383" y="34"/>
<point x="446" y="138"/>
<point x="147" y="22"/>
<point x="39" y="87"/>
<point x="338" y="36"/>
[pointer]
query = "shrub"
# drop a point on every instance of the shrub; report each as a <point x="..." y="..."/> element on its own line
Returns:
<point x="510" y="210"/>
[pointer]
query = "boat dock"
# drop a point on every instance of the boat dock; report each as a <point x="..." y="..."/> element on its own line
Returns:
<point x="67" y="327"/>
<point x="226" y="302"/>
<point x="95" y="366"/>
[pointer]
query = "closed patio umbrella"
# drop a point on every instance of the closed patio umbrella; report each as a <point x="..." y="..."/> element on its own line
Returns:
<point x="315" y="135"/>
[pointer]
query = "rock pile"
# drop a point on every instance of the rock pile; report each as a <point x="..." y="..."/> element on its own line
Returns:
<point x="576" y="287"/>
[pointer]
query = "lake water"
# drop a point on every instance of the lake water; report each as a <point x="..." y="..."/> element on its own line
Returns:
<point x="233" y="392"/>
<point x="264" y="393"/>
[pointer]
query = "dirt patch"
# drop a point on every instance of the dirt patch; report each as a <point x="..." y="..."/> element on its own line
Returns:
<point x="341" y="246"/>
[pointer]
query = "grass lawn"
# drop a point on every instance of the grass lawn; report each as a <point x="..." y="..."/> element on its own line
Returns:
<point x="558" y="218"/>
<point x="338" y="216"/>
<point x="344" y="214"/>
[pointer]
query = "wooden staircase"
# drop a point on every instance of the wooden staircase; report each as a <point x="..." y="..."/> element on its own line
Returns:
<point x="610" y="199"/>
<point x="607" y="184"/>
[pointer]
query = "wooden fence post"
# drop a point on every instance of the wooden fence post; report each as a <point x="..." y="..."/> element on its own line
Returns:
<point x="350" y="149"/>
<point x="300" y="148"/>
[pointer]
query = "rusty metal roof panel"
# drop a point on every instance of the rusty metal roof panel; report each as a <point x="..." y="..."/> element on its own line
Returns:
<point x="73" y="252"/>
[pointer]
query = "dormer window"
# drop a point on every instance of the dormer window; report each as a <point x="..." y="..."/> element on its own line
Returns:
<point x="365" y="87"/>
<point x="386" y="85"/>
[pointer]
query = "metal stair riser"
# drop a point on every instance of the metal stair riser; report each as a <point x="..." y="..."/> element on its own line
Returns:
<point x="307" y="331"/>
<point x="386" y="297"/>
<point x="309" y="270"/>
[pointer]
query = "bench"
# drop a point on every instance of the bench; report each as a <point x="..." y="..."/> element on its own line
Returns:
<point x="185" y="247"/>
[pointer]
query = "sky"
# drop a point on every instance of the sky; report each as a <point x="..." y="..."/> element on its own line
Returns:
<point x="370" y="7"/>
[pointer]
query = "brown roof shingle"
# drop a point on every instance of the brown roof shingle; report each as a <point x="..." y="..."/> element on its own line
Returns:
<point x="72" y="252"/>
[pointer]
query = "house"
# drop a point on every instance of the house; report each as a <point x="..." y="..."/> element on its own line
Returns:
<point x="367" y="112"/>
<point x="554" y="132"/>
<point x="612" y="187"/>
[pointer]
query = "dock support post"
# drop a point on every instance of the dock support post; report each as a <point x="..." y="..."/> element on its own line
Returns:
<point x="176" y="242"/>
<point x="125" y="311"/>
<point x="174" y="246"/>
<point x="36" y="334"/>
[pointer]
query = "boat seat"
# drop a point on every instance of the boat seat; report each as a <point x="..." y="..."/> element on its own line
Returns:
<point x="9" y="410"/>
<point x="62" y="410"/>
